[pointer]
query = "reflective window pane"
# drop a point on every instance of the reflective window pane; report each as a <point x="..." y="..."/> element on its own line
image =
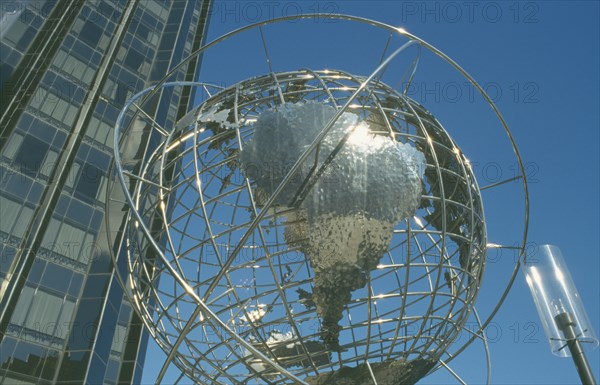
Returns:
<point x="64" y="321"/>
<point x="50" y="365"/>
<point x="133" y="60"/>
<point x="7" y="346"/>
<point x="27" y="359"/>
<point x="7" y="254"/>
<point x="69" y="241"/>
<point x="90" y="33"/>
<point x="13" y="145"/>
<point x="88" y="183"/>
<point x="75" y="286"/>
<point x="119" y="339"/>
<point x="20" y="314"/>
<point x="37" y="269"/>
<point x="15" y="217"/>
<point x="31" y="155"/>
<point x="44" y="311"/>
<point x="56" y="278"/>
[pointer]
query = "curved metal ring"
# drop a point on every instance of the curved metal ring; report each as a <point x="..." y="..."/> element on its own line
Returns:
<point x="153" y="90"/>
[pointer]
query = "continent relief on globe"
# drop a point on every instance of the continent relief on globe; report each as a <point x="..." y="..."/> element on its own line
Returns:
<point x="344" y="210"/>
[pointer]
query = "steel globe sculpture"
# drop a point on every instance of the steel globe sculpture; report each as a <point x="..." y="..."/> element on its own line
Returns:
<point x="307" y="226"/>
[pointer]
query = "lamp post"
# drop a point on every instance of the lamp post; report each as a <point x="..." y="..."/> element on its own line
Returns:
<point x="560" y="308"/>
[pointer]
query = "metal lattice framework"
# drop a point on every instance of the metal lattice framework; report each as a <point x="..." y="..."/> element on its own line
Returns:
<point x="220" y="273"/>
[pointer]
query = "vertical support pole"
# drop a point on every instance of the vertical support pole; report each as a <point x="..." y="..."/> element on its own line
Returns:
<point x="566" y="324"/>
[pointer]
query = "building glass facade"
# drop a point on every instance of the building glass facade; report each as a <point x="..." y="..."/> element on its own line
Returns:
<point x="67" y="68"/>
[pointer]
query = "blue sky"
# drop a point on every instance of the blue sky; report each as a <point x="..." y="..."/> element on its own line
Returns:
<point x="540" y="62"/>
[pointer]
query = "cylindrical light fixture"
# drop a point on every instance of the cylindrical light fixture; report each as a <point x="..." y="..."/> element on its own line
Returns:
<point x="560" y="308"/>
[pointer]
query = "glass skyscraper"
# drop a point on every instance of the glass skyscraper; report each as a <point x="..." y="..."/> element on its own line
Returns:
<point x="67" y="68"/>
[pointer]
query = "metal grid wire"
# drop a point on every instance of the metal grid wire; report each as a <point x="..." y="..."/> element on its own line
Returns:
<point x="216" y="270"/>
<point x="416" y="301"/>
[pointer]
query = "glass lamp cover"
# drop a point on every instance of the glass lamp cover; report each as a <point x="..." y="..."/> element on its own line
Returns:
<point x="554" y="293"/>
